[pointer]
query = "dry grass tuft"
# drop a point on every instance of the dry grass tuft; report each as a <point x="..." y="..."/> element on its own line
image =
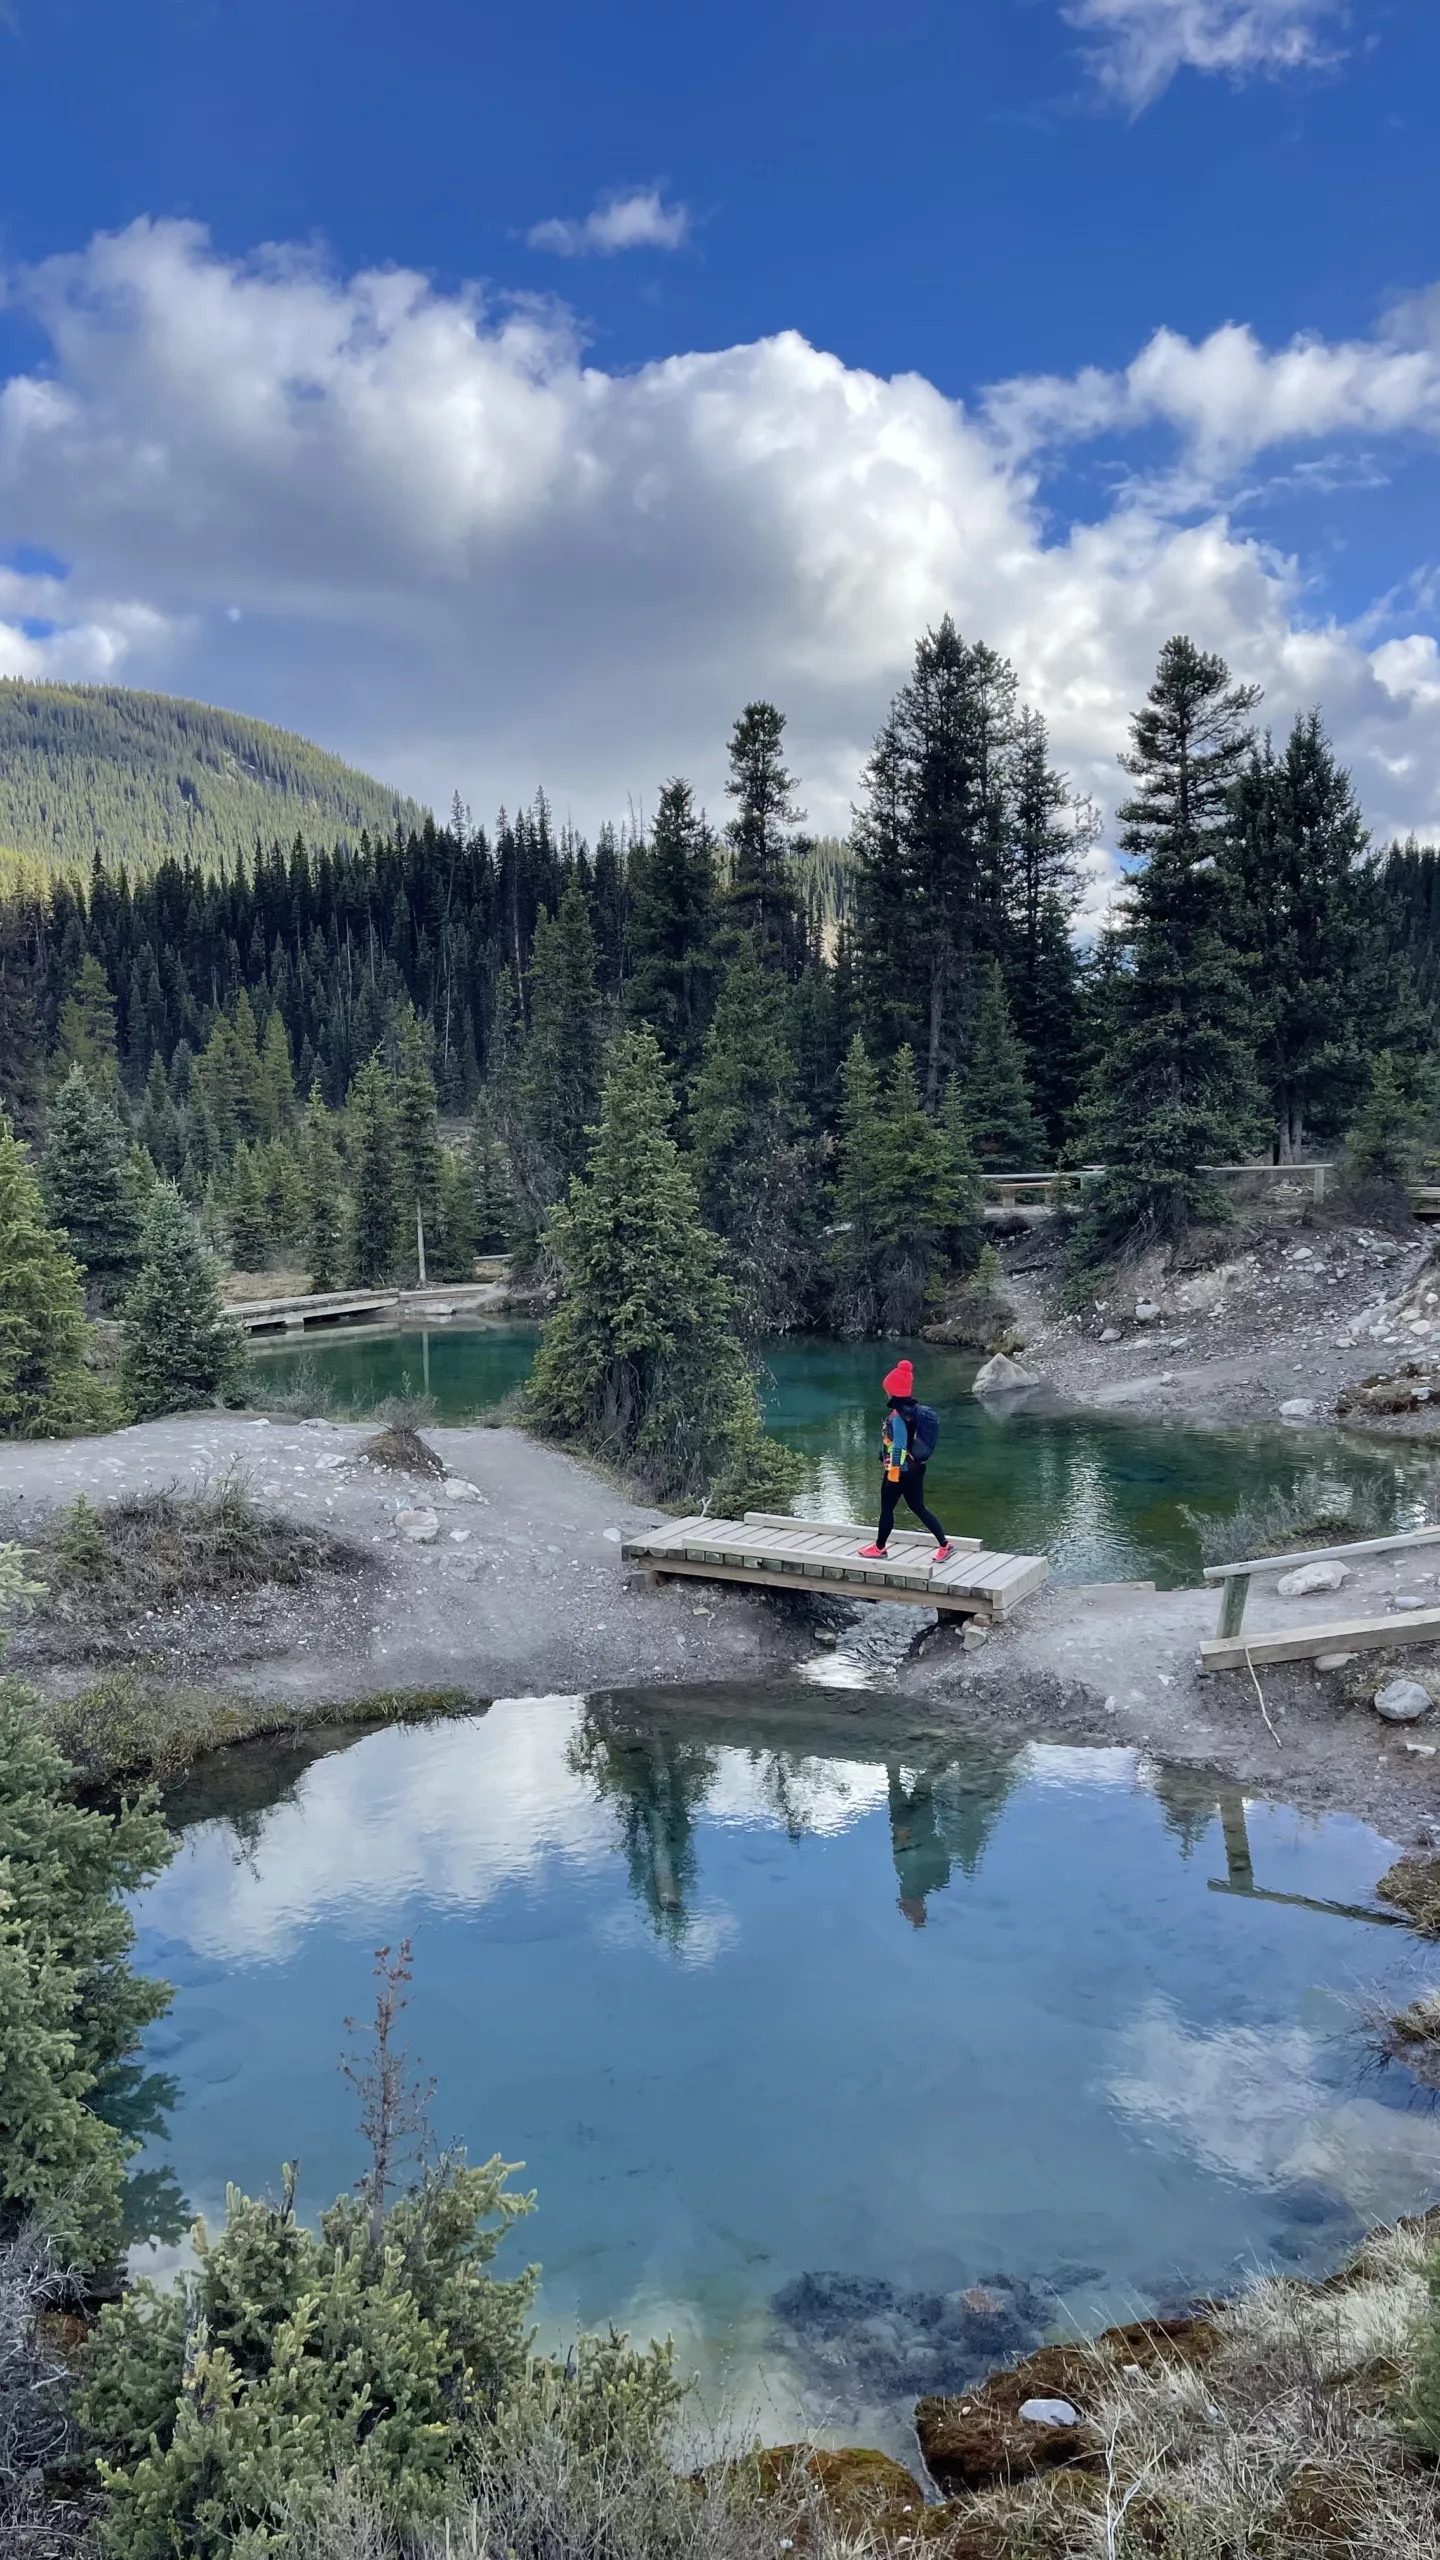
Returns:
<point x="400" y="1448"/>
<point x="1412" y="1885"/>
<point x="157" y="1553"/>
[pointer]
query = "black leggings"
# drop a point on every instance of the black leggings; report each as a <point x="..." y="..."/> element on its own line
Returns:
<point x="911" y="1491"/>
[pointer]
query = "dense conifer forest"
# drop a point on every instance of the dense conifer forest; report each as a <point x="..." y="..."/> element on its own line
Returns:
<point x="342" y="1052"/>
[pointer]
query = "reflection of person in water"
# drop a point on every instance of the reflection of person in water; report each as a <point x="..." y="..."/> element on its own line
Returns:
<point x="922" y="1862"/>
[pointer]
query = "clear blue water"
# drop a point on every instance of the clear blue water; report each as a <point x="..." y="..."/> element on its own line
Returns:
<point x="857" y="2056"/>
<point x="1104" y="1498"/>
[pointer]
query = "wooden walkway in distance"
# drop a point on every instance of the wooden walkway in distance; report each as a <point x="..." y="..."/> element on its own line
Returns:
<point x="768" y="1550"/>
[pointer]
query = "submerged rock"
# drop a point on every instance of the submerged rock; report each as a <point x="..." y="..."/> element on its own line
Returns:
<point x="859" y="2340"/>
<point x="1003" y="1377"/>
<point x="1298" y="1409"/>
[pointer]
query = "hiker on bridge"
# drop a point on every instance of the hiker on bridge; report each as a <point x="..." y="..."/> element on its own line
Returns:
<point x="907" y="1444"/>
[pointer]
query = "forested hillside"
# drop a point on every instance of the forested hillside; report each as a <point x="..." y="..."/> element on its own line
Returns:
<point x="137" y="778"/>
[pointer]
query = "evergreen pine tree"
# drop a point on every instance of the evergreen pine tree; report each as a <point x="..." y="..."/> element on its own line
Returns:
<point x="894" y="1198"/>
<point x="1307" y="913"/>
<point x="640" y="1362"/>
<point x="22" y="1036"/>
<point x="1175" y="1089"/>
<point x="90" y="1187"/>
<point x="1382" y="1143"/>
<point x="282" y="1188"/>
<point x="45" y="1389"/>
<point x="998" y="1108"/>
<point x="180" y="1348"/>
<point x="671" y="986"/>
<point x="560" y="1077"/>
<point x="452" y="1255"/>
<point x="324" y="1209"/>
<point x="965" y="1175"/>
<point x="158" y="1126"/>
<point x="276" y="1079"/>
<point x="417" y="1141"/>
<point x="761" y="896"/>
<point x="247" y="1213"/>
<point x="249" y="1078"/>
<point x="375" y="1177"/>
<point x="86" y="1025"/>
<point x="859" y="1233"/>
<point x="1049" y="830"/>
<point x="745" y="1142"/>
<point x="489" y="1175"/>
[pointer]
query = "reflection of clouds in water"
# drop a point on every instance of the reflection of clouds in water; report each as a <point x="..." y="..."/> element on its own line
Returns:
<point x="826" y="1796"/>
<point x="704" y="1932"/>
<point x="827" y="1496"/>
<point x="1069" y="1765"/>
<point x="1250" y="2104"/>
<point x="452" y="1811"/>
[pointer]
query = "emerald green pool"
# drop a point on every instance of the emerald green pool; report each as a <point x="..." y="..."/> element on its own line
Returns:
<point x="1104" y="1498"/>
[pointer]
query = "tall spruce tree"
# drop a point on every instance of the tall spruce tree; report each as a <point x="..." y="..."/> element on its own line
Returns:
<point x="450" y="1247"/>
<point x="488" y="1170"/>
<point x="276" y="1081"/>
<point x="324" y="1208"/>
<point x="90" y="1186"/>
<point x="965" y="1176"/>
<point x="46" y="1391"/>
<point x="247" y="1211"/>
<point x="745" y="1137"/>
<point x="180" y="1348"/>
<point x="673" y="967"/>
<point x="1049" y="831"/>
<point x="561" y="1074"/>
<point x="1307" y="913"/>
<point x="931" y="840"/>
<point x="22" y="1034"/>
<point x="417" y="1141"/>
<point x="159" y="1126"/>
<point x="86" y="1024"/>
<point x="894" y="1198"/>
<point x="1176" y="1088"/>
<point x="998" y="1108"/>
<point x="762" y="897"/>
<point x="374" y="1177"/>
<point x="640" y="1362"/>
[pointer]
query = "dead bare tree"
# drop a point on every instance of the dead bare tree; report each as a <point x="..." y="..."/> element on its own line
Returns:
<point x="394" y="2106"/>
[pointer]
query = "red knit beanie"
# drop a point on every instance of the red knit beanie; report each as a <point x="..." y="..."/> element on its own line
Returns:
<point x="901" y="1381"/>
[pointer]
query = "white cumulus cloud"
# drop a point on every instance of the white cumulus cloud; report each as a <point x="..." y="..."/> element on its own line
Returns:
<point x="1140" y="45"/>
<point x="640" y="219"/>
<point x="464" y="556"/>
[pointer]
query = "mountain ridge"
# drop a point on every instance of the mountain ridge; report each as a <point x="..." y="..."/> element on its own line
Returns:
<point x="143" y="777"/>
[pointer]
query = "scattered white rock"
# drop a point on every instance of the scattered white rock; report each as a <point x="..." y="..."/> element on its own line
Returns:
<point x="1002" y="1376"/>
<point x="1298" y="1409"/>
<point x="460" y="1489"/>
<point x="327" y="1466"/>
<point x="1422" y="1750"/>
<point x="458" y="1537"/>
<point x="1311" y="1577"/>
<point x="1333" y="1661"/>
<point x="419" y="1524"/>
<point x="1407" y="1600"/>
<point x="1146" y="1311"/>
<point x="615" y="1536"/>
<point x="1050" y="2413"/>
<point x="1111" y="1333"/>
<point x="1402" y="1702"/>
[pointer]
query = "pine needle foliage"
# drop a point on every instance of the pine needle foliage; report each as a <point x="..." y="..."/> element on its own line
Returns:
<point x="896" y="1199"/>
<point x="180" y="1348"/>
<point x="71" y="2011"/>
<point x="746" y="1146"/>
<point x="999" y="1111"/>
<point x="46" y="1391"/>
<point x="375" y="1179"/>
<point x="1176" y="1088"/>
<point x="641" y="1362"/>
<point x="90" y="1186"/>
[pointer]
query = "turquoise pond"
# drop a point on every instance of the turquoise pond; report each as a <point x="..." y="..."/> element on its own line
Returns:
<point x="857" y="2057"/>
<point x="1105" y="1498"/>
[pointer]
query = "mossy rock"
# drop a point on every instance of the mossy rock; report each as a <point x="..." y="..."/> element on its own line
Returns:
<point x="978" y="2439"/>
<point x="1412" y="1885"/>
<point x="860" y="2490"/>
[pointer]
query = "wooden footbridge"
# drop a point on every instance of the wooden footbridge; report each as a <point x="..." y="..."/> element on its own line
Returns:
<point x="770" y="1552"/>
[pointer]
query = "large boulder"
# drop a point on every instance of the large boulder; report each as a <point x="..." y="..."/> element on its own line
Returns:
<point x="1402" y="1702"/>
<point x="1311" y="1577"/>
<point x="1003" y="1377"/>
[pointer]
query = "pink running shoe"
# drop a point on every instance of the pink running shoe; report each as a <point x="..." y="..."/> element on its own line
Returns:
<point x="872" y="1551"/>
<point x="943" y="1554"/>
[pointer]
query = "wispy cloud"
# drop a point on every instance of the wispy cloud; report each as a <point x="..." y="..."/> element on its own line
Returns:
<point x="1141" y="44"/>
<point x="640" y="219"/>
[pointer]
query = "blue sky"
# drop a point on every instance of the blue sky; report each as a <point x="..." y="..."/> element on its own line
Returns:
<point x="504" y="394"/>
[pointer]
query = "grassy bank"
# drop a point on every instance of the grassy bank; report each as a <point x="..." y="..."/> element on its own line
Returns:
<point x="129" y="1729"/>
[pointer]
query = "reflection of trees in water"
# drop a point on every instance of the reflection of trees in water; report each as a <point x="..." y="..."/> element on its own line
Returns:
<point x="657" y="1784"/>
<point x="138" y="2103"/>
<point x="942" y="1812"/>
<point x="941" y="1816"/>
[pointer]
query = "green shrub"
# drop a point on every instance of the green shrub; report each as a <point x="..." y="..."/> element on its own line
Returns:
<point x="70" y="2008"/>
<point x="227" y="2406"/>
